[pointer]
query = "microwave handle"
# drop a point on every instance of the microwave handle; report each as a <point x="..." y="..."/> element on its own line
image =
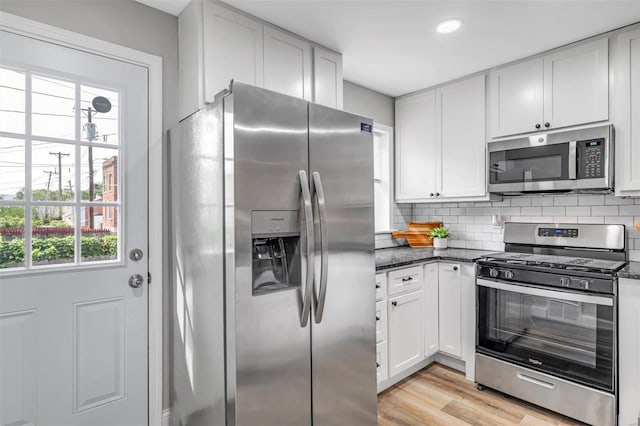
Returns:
<point x="573" y="159"/>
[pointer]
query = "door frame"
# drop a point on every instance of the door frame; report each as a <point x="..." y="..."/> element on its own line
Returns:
<point x="40" y="31"/>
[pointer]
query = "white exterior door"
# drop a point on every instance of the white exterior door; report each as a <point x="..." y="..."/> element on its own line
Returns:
<point x="73" y="204"/>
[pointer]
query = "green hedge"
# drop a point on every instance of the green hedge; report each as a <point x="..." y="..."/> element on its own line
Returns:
<point x="51" y="249"/>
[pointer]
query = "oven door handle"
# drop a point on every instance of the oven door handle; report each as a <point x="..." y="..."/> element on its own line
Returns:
<point x="552" y="294"/>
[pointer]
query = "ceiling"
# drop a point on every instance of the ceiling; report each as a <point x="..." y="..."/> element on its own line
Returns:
<point x="392" y="46"/>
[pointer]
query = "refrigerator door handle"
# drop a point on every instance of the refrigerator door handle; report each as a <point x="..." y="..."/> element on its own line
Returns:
<point x="324" y="246"/>
<point x="308" y="222"/>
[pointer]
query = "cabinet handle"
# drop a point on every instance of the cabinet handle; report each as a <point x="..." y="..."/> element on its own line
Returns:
<point x="377" y="365"/>
<point x="437" y="194"/>
<point x="405" y="279"/>
<point x="377" y="285"/>
<point x="377" y="318"/>
<point x="538" y="125"/>
<point x="431" y="195"/>
<point x="394" y="303"/>
<point x="547" y="124"/>
<point x="455" y="268"/>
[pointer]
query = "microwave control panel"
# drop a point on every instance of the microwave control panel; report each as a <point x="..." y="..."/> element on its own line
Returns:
<point x="591" y="158"/>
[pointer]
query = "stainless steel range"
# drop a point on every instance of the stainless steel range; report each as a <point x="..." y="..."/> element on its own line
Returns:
<point x="547" y="314"/>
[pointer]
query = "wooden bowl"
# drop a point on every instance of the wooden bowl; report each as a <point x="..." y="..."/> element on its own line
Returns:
<point x="417" y="233"/>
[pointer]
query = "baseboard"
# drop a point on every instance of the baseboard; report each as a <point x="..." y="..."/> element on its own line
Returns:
<point x="166" y="417"/>
<point x="455" y="363"/>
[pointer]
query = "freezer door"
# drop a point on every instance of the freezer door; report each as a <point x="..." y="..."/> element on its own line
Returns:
<point x="343" y="335"/>
<point x="268" y="342"/>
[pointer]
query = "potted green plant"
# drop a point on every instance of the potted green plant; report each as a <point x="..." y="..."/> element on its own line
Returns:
<point x="439" y="236"/>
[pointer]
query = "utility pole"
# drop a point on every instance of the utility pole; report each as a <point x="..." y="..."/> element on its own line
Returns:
<point x="46" y="195"/>
<point x="92" y="137"/>
<point x="59" y="155"/>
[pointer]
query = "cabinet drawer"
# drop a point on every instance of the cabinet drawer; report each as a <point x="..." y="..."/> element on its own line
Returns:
<point x="404" y="280"/>
<point x="381" y="321"/>
<point x="382" y="362"/>
<point x="381" y="286"/>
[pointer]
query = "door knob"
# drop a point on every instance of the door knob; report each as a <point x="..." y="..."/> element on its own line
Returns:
<point x="135" y="254"/>
<point x="136" y="280"/>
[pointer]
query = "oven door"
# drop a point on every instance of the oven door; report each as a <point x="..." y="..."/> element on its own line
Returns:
<point x="567" y="334"/>
<point x="540" y="168"/>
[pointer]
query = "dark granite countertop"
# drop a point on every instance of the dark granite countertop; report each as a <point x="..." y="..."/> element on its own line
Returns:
<point x="632" y="271"/>
<point x="400" y="256"/>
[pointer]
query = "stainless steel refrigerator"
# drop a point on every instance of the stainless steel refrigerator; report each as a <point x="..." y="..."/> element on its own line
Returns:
<point x="272" y="240"/>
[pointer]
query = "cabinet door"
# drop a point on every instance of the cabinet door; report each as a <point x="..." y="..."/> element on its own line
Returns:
<point x="287" y="64"/>
<point x="327" y="78"/>
<point x="232" y="49"/>
<point x="460" y="136"/>
<point x="516" y="98"/>
<point x="404" y="280"/>
<point x="406" y="335"/>
<point x="627" y="116"/>
<point x="430" y="309"/>
<point x="629" y="351"/>
<point x="576" y="85"/>
<point x="415" y="147"/>
<point x="382" y="362"/>
<point x="449" y="297"/>
<point x="381" y="321"/>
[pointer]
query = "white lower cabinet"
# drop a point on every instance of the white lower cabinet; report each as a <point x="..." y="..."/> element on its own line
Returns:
<point x="382" y="363"/>
<point x="450" y="318"/>
<point x="430" y="309"/>
<point x="629" y="352"/>
<point x="406" y="334"/>
<point x="381" y="321"/>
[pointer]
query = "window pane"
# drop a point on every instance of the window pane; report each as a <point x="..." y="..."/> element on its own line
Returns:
<point x="100" y="242"/>
<point x="104" y="163"/>
<point x="103" y="126"/>
<point x="53" y="235"/>
<point x="12" y="100"/>
<point x="53" y="171"/>
<point x="11" y="237"/>
<point x="11" y="169"/>
<point x="53" y="108"/>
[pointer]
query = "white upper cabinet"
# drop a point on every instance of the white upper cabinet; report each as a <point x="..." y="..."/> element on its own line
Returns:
<point x="516" y="98"/>
<point x="415" y="147"/>
<point x="565" y="88"/>
<point x="440" y="144"/>
<point x="327" y="78"/>
<point x="460" y="139"/>
<point x="627" y="113"/>
<point x="232" y="50"/>
<point x="576" y="85"/>
<point x="287" y="64"/>
<point x="217" y="45"/>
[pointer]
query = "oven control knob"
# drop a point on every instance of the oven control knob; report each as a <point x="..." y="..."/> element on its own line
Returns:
<point x="508" y="275"/>
<point x="584" y="284"/>
<point x="494" y="273"/>
<point x="565" y="282"/>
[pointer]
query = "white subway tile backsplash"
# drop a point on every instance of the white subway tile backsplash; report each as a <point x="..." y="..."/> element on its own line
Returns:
<point x="634" y="255"/>
<point x="504" y="203"/>
<point x="553" y="211"/>
<point x="510" y="211"/>
<point x="474" y="211"/>
<point x="619" y="220"/>
<point x="474" y="228"/>
<point x="579" y="211"/>
<point x="612" y="199"/>
<point x="474" y="245"/>
<point x="565" y="219"/>
<point x="542" y="201"/>
<point x="591" y="219"/>
<point x="521" y="202"/>
<point x="633" y="210"/>
<point x="604" y="211"/>
<point x="591" y="200"/>
<point x="483" y="219"/>
<point x="443" y="212"/>
<point x="531" y="211"/>
<point x="466" y="219"/>
<point x="457" y="211"/>
<point x="492" y="246"/>
<point x="565" y="200"/>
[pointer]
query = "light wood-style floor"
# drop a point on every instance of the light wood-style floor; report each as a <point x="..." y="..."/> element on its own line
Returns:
<point x="438" y="395"/>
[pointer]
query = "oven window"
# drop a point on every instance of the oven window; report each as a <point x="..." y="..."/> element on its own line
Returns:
<point x="530" y="164"/>
<point x="574" y="340"/>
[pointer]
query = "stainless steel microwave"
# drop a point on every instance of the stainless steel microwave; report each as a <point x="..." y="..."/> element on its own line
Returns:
<point x="572" y="161"/>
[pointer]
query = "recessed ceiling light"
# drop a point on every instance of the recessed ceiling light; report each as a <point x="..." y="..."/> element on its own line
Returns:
<point x="449" y="26"/>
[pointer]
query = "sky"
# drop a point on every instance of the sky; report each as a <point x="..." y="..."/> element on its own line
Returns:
<point x="53" y="115"/>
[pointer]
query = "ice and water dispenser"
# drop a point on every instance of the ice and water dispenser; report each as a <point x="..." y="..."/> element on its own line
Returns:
<point x="275" y="251"/>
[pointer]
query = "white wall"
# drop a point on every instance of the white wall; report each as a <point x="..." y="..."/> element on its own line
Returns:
<point x="369" y="103"/>
<point x="129" y="24"/>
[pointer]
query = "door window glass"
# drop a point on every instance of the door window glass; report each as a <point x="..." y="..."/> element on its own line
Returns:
<point x="60" y="180"/>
